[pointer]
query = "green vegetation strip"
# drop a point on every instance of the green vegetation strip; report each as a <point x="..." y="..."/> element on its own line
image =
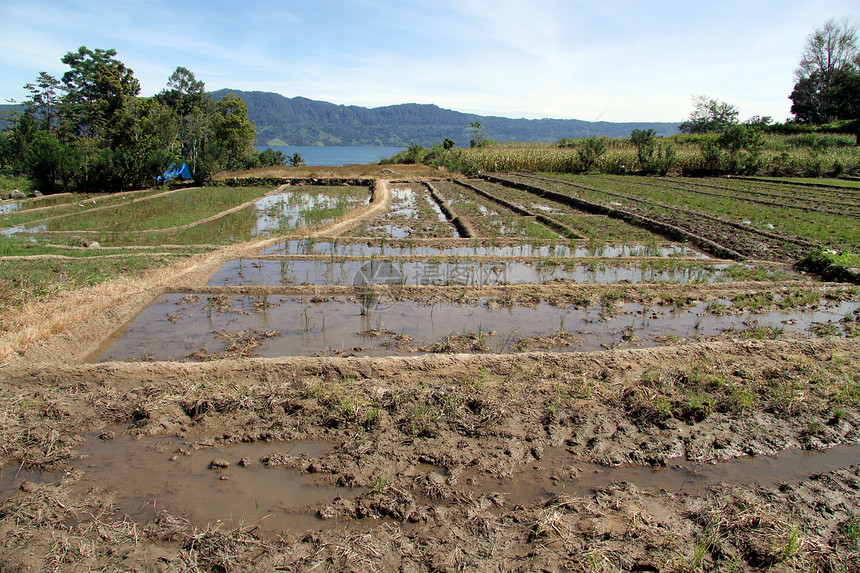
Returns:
<point x="804" y="229"/>
<point x="833" y="266"/>
<point x="184" y="207"/>
<point x="594" y="226"/>
<point x="560" y="228"/>
<point x="825" y="183"/>
<point x="75" y="204"/>
<point x="26" y="281"/>
<point x="669" y="231"/>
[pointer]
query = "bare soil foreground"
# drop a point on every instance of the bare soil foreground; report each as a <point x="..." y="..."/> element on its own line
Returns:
<point x="731" y="452"/>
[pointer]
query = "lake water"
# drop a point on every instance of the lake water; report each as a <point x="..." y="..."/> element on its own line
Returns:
<point x="333" y="155"/>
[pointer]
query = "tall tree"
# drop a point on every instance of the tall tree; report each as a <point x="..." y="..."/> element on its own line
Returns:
<point x="98" y="87"/>
<point x="709" y="115"/>
<point x="44" y="102"/>
<point x="233" y="130"/>
<point x="828" y="50"/>
<point x="184" y="92"/>
<point x="846" y="97"/>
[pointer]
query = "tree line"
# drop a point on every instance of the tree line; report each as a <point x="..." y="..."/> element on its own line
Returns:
<point x="826" y="94"/>
<point x="91" y="130"/>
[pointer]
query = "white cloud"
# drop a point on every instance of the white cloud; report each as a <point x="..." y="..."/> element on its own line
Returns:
<point x="614" y="59"/>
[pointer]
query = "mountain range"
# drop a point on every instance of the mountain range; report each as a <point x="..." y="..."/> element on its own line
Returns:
<point x="301" y="121"/>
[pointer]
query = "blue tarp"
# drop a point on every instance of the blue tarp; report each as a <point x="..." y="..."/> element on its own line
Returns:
<point x="177" y="172"/>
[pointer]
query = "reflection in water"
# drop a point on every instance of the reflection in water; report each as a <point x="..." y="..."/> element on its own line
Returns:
<point x="153" y="474"/>
<point x="177" y="326"/>
<point x="272" y="273"/>
<point x="262" y="483"/>
<point x="367" y="249"/>
<point x="558" y="472"/>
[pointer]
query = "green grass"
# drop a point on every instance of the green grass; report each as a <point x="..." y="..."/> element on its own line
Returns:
<point x="18" y="247"/>
<point x="833" y="265"/>
<point x="67" y="204"/>
<point x="814" y="180"/>
<point x="154" y="222"/>
<point x="181" y="208"/>
<point x="824" y="228"/>
<point x="27" y="281"/>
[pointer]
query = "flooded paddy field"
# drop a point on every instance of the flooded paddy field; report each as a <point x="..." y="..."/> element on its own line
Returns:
<point x="352" y="247"/>
<point x="413" y="214"/>
<point x="320" y="394"/>
<point x="200" y="327"/>
<point x="390" y="270"/>
<point x="197" y="215"/>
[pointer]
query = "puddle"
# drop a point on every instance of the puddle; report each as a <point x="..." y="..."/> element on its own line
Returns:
<point x="182" y="327"/>
<point x="310" y="247"/>
<point x="485" y="211"/>
<point x="545" y="208"/>
<point x="12" y="476"/>
<point x="404" y="205"/>
<point x="390" y="231"/>
<point x="10" y="208"/>
<point x="440" y="216"/>
<point x="559" y="473"/>
<point x="260" y="488"/>
<point x="147" y="481"/>
<point x="248" y="272"/>
<point x="24" y="229"/>
<point x="294" y="210"/>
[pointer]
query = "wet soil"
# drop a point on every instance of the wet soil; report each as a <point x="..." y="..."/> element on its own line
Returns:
<point x="629" y="458"/>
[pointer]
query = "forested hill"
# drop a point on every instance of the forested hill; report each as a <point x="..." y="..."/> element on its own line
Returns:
<point x="301" y="121"/>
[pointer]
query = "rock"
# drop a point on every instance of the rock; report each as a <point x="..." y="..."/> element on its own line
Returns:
<point x="16" y="194"/>
<point x="29" y="487"/>
<point x="37" y="193"/>
<point x="219" y="464"/>
<point x="107" y="435"/>
<point x="94" y="245"/>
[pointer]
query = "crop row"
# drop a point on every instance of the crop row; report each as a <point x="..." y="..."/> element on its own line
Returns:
<point x="774" y="222"/>
<point x="69" y="204"/>
<point x="751" y="195"/>
<point x="620" y="159"/>
<point x="591" y="226"/>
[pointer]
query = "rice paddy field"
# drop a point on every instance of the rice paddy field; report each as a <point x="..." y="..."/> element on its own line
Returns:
<point x="522" y="370"/>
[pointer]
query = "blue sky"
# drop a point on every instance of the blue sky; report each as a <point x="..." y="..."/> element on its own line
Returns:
<point x="613" y="60"/>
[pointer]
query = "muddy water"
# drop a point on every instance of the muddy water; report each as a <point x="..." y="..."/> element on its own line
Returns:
<point x="404" y="205"/>
<point x="13" y="475"/>
<point x="286" y="210"/>
<point x="380" y="248"/>
<point x="23" y="229"/>
<point x="559" y="473"/>
<point x="177" y="326"/>
<point x="390" y="231"/>
<point x="153" y="474"/>
<point x="271" y="273"/>
<point x="10" y="208"/>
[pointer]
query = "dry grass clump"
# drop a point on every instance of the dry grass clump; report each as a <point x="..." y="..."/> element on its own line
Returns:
<point x="743" y="526"/>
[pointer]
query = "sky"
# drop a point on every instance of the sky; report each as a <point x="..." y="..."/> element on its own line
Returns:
<point x="609" y="60"/>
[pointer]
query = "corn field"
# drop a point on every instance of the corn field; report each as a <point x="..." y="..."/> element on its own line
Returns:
<point x="797" y="155"/>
